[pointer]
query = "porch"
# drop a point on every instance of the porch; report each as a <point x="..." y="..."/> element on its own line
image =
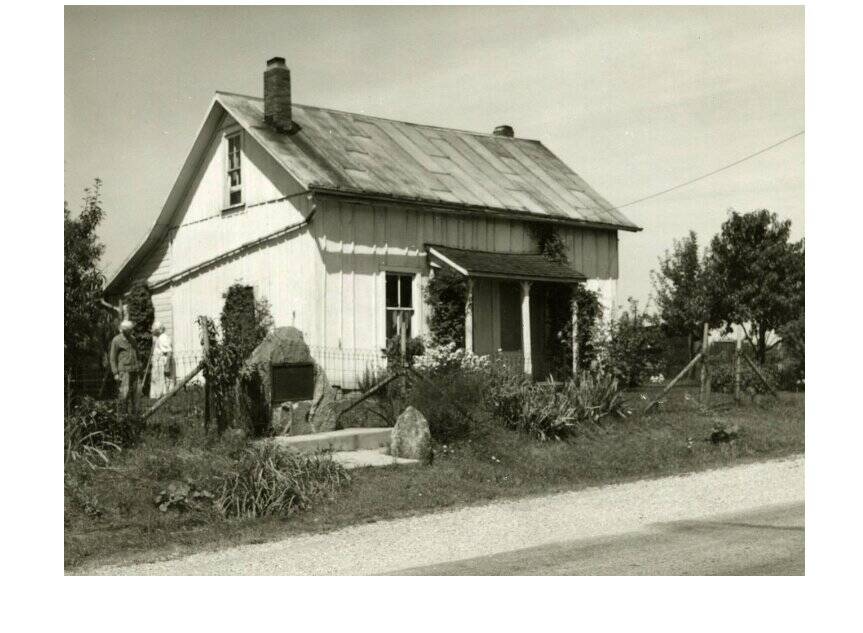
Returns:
<point x="517" y="306"/>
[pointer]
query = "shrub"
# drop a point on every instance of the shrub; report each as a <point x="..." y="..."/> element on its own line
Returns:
<point x="560" y="411"/>
<point x="449" y="400"/>
<point x="269" y="481"/>
<point x="93" y="429"/>
<point x="451" y="392"/>
<point x="633" y="347"/>
<point x="505" y="388"/>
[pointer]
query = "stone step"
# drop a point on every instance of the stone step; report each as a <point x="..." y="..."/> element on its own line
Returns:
<point x="342" y="440"/>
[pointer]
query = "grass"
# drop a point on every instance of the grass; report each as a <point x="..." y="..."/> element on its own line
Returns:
<point x="494" y="464"/>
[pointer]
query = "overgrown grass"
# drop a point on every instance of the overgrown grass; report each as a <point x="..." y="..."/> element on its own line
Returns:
<point x="112" y="516"/>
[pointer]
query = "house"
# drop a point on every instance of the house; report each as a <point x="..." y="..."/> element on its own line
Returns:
<point x="338" y="219"/>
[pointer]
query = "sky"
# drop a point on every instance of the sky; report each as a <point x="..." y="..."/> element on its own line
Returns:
<point x="633" y="99"/>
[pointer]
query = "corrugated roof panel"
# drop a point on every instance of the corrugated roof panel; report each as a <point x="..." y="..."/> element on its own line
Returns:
<point x="369" y="155"/>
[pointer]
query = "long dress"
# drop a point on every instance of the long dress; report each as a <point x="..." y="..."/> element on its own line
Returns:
<point x="160" y="383"/>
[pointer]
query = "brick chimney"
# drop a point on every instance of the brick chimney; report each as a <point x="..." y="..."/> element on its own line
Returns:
<point x="277" y="95"/>
<point x="504" y="130"/>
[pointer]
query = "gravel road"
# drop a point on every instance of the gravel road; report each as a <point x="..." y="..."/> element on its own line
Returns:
<point x="434" y="539"/>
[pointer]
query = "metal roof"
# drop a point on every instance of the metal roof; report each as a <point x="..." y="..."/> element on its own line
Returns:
<point x="518" y="266"/>
<point x="360" y="154"/>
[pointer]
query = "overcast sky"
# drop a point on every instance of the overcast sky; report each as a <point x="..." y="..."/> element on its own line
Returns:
<point x="634" y="99"/>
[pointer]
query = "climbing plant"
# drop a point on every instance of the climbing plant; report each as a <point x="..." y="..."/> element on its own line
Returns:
<point x="141" y="314"/>
<point x="446" y="294"/>
<point x="559" y="306"/>
<point x="549" y="241"/>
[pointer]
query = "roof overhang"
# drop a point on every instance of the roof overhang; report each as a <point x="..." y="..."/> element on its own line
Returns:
<point x="511" y="266"/>
<point x="439" y="206"/>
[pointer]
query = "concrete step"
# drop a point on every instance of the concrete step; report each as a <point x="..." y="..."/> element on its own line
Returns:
<point x="365" y="458"/>
<point x="342" y="440"/>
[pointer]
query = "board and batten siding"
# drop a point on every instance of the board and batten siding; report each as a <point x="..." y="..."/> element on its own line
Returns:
<point x="360" y="242"/>
<point x="202" y="227"/>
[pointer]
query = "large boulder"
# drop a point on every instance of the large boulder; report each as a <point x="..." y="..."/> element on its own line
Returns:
<point x="411" y="437"/>
<point x="285" y="345"/>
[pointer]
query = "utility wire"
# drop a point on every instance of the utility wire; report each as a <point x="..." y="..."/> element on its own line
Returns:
<point x="715" y="171"/>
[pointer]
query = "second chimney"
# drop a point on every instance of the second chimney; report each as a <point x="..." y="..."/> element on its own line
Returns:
<point x="504" y="130"/>
<point x="277" y="95"/>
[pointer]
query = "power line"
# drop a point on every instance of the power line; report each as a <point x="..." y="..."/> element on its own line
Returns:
<point x="715" y="171"/>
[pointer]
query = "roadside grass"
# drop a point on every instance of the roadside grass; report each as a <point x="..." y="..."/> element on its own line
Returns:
<point x="495" y="463"/>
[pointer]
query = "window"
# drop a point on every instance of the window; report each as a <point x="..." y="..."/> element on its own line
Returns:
<point x="399" y="303"/>
<point x="235" y="179"/>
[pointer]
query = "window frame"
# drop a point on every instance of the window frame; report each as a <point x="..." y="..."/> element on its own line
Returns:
<point x="411" y="310"/>
<point x="238" y="169"/>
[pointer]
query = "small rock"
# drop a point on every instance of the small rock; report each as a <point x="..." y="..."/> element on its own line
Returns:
<point x="411" y="437"/>
<point x="724" y="433"/>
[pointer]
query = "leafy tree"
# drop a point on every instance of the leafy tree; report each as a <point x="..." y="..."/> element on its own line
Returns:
<point x="756" y="275"/>
<point x="680" y="287"/>
<point x="82" y="280"/>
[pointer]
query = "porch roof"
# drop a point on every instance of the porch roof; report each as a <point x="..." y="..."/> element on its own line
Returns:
<point x="515" y="266"/>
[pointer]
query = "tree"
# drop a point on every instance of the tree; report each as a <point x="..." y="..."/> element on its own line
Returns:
<point x="680" y="287"/>
<point x="756" y="275"/>
<point x="82" y="280"/>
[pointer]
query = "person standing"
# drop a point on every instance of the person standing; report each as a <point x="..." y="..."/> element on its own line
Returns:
<point x="125" y="367"/>
<point x="161" y="378"/>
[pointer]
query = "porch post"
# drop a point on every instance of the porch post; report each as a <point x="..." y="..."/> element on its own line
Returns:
<point x="574" y="338"/>
<point x="468" y="318"/>
<point x="525" y="327"/>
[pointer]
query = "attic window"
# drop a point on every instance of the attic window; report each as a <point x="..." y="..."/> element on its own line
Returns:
<point x="235" y="179"/>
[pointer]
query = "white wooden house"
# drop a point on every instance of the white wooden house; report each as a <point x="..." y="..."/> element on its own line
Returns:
<point x="337" y="219"/>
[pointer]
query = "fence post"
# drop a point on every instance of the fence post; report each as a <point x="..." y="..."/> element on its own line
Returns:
<point x="574" y="339"/>
<point x="705" y="367"/>
<point x="738" y="349"/>
<point x="205" y="346"/>
<point x="403" y="338"/>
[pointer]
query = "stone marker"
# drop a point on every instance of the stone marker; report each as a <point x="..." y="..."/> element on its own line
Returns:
<point x="411" y="438"/>
<point x="286" y="345"/>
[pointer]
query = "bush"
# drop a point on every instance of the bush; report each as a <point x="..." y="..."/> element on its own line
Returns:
<point x="504" y="391"/>
<point x="269" y="481"/>
<point x="633" y="347"/>
<point x="451" y="391"/>
<point x="93" y="429"/>
<point x="561" y="411"/>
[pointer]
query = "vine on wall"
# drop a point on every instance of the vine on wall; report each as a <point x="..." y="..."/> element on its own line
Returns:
<point x="446" y="295"/>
